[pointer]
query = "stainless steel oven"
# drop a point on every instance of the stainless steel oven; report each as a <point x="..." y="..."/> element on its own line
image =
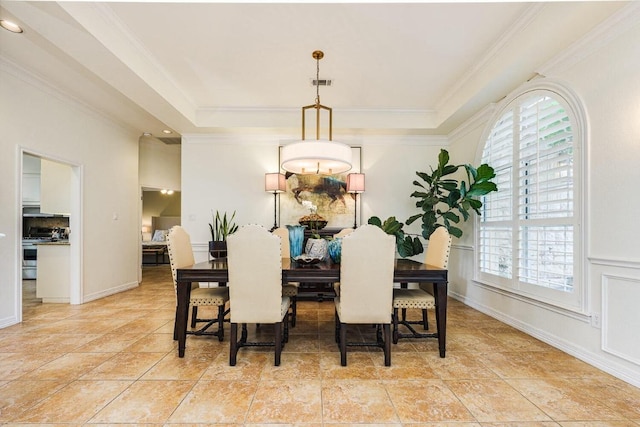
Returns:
<point x="29" y="259"/>
<point x="37" y="228"/>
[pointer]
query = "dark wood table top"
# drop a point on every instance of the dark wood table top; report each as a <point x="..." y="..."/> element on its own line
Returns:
<point x="405" y="271"/>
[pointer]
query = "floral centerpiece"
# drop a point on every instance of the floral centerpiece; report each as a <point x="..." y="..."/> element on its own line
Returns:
<point x="316" y="246"/>
<point x="313" y="221"/>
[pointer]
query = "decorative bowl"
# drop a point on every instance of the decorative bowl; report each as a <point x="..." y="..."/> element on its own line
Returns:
<point x="306" y="259"/>
<point x="314" y="225"/>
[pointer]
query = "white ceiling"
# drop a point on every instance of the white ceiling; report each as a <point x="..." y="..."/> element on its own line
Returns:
<point x="420" y="68"/>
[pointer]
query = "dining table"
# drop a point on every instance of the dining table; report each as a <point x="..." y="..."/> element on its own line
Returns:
<point x="215" y="270"/>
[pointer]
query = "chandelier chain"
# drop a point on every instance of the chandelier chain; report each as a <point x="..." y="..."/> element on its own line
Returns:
<point x="318" y="80"/>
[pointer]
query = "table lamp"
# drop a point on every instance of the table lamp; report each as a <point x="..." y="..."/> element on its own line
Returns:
<point x="275" y="183"/>
<point x="355" y="185"/>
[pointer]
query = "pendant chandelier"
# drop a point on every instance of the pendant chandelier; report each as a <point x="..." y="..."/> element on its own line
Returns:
<point x="319" y="156"/>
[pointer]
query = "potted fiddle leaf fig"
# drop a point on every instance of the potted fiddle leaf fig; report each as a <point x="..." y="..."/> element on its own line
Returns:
<point x="445" y="201"/>
<point x="406" y="244"/>
<point x="221" y="227"/>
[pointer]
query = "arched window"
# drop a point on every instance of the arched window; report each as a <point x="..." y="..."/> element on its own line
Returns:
<point x="529" y="235"/>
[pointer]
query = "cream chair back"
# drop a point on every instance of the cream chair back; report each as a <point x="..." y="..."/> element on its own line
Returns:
<point x="284" y="241"/>
<point x="343" y="232"/>
<point x="255" y="275"/>
<point x="180" y="250"/>
<point x="439" y="248"/>
<point x="366" y="276"/>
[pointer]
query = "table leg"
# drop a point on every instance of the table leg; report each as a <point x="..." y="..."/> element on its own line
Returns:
<point x="182" y="315"/>
<point x="441" y="315"/>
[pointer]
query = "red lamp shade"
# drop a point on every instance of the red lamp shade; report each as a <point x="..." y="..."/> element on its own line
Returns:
<point x="355" y="183"/>
<point x="275" y="182"/>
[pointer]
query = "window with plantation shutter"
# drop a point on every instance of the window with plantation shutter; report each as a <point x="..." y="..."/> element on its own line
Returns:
<point x="527" y="233"/>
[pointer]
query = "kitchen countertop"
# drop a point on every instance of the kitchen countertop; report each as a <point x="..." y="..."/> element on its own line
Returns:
<point x="52" y="243"/>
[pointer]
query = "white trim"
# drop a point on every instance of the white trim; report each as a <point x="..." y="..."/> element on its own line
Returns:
<point x="111" y="291"/>
<point x="9" y="321"/>
<point x="595" y="360"/>
<point x="37" y="81"/>
<point x="580" y="121"/>
<point x="477" y="120"/>
<point x="605" y="318"/>
<point x="615" y="262"/>
<point x="522" y="22"/>
<point x="76" y="266"/>
<point x="611" y="28"/>
<point x="239" y="138"/>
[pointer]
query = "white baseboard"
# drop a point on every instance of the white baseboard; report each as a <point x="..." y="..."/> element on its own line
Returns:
<point x="110" y="291"/>
<point x="595" y="360"/>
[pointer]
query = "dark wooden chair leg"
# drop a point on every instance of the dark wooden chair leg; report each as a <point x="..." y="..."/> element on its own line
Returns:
<point x="294" y="310"/>
<point x="337" y="320"/>
<point x="387" y="344"/>
<point x="343" y="344"/>
<point x="175" y="326"/>
<point x="194" y="316"/>
<point x="278" y="342"/>
<point x="233" y="347"/>
<point x="243" y="336"/>
<point x="395" y="326"/>
<point x="286" y="329"/>
<point x="425" y="322"/>
<point x="220" y="323"/>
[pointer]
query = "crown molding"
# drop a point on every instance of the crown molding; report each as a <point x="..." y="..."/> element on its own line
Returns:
<point x="479" y="119"/>
<point x="614" y="26"/>
<point x="41" y="84"/>
<point x="519" y="25"/>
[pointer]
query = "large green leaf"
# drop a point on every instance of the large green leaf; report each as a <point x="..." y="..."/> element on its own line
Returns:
<point x="412" y="218"/>
<point x="485" y="172"/>
<point x="449" y="169"/>
<point x="455" y="231"/>
<point x="374" y="220"/>
<point x="451" y="216"/>
<point x="453" y="198"/>
<point x="443" y="158"/>
<point x="420" y="194"/>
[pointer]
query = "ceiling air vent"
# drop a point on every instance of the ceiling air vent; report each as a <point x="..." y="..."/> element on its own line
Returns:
<point x="321" y="82"/>
<point x="171" y="141"/>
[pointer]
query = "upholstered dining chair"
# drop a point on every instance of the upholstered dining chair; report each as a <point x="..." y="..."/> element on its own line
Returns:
<point x="255" y="287"/>
<point x="181" y="255"/>
<point x="422" y="296"/>
<point x="289" y="289"/>
<point x="366" y="290"/>
<point x="342" y="233"/>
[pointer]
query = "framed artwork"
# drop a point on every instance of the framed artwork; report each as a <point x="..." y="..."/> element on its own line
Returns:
<point x="327" y="192"/>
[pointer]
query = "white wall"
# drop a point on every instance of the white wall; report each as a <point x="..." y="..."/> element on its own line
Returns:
<point x="159" y="165"/>
<point x="226" y="173"/>
<point x="37" y="118"/>
<point x="604" y="74"/>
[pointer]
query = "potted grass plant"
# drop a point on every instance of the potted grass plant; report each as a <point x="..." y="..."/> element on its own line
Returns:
<point x="221" y="226"/>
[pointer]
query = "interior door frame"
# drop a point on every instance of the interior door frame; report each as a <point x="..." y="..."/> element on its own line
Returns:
<point x="76" y="289"/>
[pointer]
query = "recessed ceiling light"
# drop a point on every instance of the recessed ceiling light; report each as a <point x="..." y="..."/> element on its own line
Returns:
<point x="167" y="131"/>
<point x="147" y="134"/>
<point x="10" y="26"/>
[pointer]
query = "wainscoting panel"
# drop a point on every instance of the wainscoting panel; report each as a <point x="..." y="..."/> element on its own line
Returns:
<point x="621" y="317"/>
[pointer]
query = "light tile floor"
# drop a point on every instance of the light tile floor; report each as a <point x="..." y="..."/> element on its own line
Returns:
<point x="113" y="361"/>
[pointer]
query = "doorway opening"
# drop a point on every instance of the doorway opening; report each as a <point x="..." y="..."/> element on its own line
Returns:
<point x="50" y="194"/>
<point x="161" y="210"/>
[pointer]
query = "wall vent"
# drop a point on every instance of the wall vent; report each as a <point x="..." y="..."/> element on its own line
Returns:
<point x="321" y="82"/>
<point x="171" y="141"/>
